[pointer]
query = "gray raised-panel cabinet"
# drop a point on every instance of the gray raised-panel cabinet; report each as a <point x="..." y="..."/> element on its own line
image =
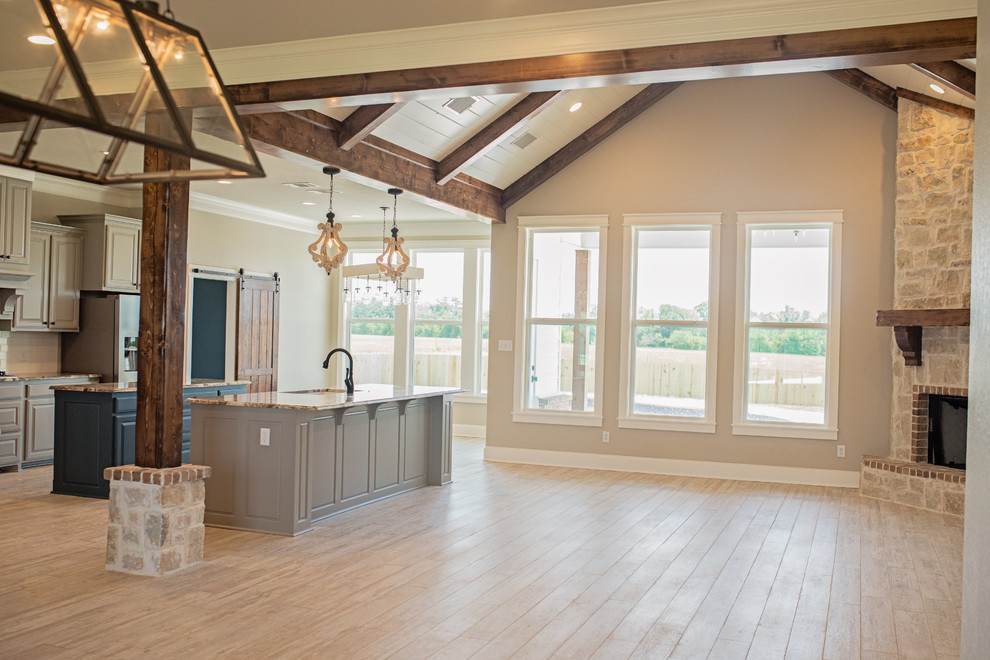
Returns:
<point x="279" y="469"/>
<point x="112" y="251"/>
<point x="11" y="402"/>
<point x="15" y="217"/>
<point x="51" y="298"/>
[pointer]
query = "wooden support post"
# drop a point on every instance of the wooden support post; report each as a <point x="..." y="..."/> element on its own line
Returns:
<point x="161" y="331"/>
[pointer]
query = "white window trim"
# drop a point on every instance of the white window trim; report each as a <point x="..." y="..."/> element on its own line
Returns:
<point x="686" y="221"/>
<point x="404" y="322"/>
<point x="562" y="222"/>
<point x="811" y="219"/>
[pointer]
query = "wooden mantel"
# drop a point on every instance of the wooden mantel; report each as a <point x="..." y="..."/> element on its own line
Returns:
<point x="908" y="323"/>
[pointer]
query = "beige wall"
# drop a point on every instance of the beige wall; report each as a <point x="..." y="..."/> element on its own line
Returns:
<point x="774" y="143"/>
<point x="307" y="320"/>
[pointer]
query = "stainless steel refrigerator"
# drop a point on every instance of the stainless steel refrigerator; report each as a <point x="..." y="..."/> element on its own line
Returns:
<point x="106" y="343"/>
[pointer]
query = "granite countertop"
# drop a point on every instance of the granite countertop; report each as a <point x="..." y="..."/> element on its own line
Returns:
<point x="44" y="376"/>
<point x="132" y="387"/>
<point x="326" y="399"/>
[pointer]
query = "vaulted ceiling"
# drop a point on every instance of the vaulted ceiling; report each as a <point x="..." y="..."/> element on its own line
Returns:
<point x="468" y="140"/>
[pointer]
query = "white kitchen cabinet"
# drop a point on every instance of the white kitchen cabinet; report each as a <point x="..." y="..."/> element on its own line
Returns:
<point x="15" y="219"/>
<point x="112" y="251"/>
<point x="51" y="299"/>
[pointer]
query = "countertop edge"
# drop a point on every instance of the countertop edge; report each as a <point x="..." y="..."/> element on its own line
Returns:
<point x="114" y="388"/>
<point x="230" y="401"/>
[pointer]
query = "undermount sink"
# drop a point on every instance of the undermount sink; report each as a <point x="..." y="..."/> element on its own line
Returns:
<point x="324" y="390"/>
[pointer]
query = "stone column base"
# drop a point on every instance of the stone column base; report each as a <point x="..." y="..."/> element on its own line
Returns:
<point x="156" y="518"/>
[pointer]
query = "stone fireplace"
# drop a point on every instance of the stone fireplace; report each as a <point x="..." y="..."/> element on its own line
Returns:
<point x="932" y="248"/>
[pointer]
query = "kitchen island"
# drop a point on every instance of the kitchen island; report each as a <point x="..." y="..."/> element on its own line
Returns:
<point x="95" y="425"/>
<point x="283" y="460"/>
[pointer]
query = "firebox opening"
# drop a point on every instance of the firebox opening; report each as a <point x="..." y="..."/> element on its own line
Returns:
<point x="947" y="430"/>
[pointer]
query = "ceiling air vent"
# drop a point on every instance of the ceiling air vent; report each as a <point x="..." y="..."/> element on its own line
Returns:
<point x="300" y="185"/>
<point x="460" y="105"/>
<point x="524" y="140"/>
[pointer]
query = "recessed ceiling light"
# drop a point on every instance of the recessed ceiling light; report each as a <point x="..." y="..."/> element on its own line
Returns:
<point x="102" y="25"/>
<point x="937" y="88"/>
<point x="576" y="107"/>
<point x="41" y="39"/>
<point x="300" y="185"/>
<point x="309" y="203"/>
<point x="224" y="181"/>
<point x="355" y="215"/>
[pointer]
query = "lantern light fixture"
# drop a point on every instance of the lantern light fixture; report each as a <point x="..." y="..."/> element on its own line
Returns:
<point x="87" y="85"/>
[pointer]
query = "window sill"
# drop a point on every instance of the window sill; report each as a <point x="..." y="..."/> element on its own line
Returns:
<point x="561" y="418"/>
<point x="666" y="424"/>
<point x="786" y="431"/>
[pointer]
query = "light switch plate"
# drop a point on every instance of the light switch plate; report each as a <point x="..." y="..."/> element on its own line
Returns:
<point x="266" y="437"/>
<point x="505" y="344"/>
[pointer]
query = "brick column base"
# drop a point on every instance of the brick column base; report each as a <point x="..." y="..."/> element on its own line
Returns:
<point x="156" y="518"/>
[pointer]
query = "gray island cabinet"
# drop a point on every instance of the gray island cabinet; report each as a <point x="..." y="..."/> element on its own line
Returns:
<point x="283" y="460"/>
<point x="95" y="425"/>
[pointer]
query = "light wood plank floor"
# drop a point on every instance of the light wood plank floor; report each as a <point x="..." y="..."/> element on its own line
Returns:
<point x="508" y="561"/>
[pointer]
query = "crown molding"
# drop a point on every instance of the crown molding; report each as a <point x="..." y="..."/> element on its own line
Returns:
<point x="630" y="26"/>
<point x="90" y="192"/>
<point x="225" y="207"/>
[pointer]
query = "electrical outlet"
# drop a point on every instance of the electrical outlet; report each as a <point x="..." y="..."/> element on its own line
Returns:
<point x="505" y="344"/>
<point x="840" y="451"/>
<point x="605" y="437"/>
<point x="266" y="437"/>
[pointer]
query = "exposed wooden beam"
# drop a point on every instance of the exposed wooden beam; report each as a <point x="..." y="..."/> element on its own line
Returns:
<point x="586" y="141"/>
<point x="360" y="123"/>
<point x="867" y="85"/>
<point x="296" y="137"/>
<point x="481" y="142"/>
<point x="952" y="75"/>
<point x="938" y="104"/>
<point x="810" y="51"/>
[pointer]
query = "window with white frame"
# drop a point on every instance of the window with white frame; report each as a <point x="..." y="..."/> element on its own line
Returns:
<point x="484" y="314"/>
<point x="433" y="341"/>
<point x="561" y="321"/>
<point x="439" y="319"/>
<point x="787" y="344"/>
<point x="371" y="331"/>
<point x="669" y="321"/>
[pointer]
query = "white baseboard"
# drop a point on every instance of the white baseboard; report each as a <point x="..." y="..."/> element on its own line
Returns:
<point x="675" y="467"/>
<point x="470" y="430"/>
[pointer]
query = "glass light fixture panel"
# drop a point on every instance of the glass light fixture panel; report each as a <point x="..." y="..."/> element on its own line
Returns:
<point x="189" y="74"/>
<point x="10" y="136"/>
<point x="111" y="61"/>
<point x="25" y="66"/>
<point x="70" y="147"/>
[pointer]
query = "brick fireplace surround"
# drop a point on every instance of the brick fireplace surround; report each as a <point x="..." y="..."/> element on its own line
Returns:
<point x="932" y="248"/>
<point x="918" y="482"/>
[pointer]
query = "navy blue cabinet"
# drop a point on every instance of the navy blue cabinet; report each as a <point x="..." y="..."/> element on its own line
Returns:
<point x="95" y="430"/>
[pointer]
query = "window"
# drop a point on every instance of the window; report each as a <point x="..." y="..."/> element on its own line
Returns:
<point x="561" y="322"/>
<point x="439" y="319"/>
<point x="434" y="340"/>
<point x="484" y="317"/>
<point x="669" y="321"/>
<point x="788" y="337"/>
<point x="371" y="331"/>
